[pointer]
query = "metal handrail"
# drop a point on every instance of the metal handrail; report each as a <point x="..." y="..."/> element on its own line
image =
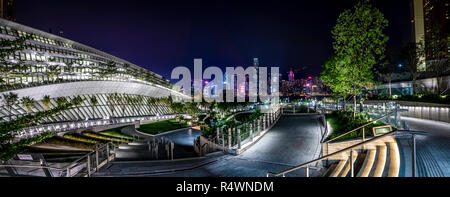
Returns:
<point x="360" y="127"/>
<point x="350" y="148"/>
<point x="74" y="163"/>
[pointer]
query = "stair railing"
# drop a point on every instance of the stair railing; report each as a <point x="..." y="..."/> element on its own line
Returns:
<point x="360" y="127"/>
<point x="351" y="149"/>
<point x="90" y="161"/>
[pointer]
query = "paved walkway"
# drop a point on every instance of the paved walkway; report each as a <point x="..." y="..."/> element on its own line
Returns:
<point x="292" y="141"/>
<point x="182" y="138"/>
<point x="433" y="150"/>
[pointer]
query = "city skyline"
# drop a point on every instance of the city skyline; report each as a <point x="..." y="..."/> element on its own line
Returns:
<point x="162" y="45"/>
<point x="224" y="89"/>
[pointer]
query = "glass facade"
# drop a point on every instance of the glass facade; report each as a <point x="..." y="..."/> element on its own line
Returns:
<point x="57" y="67"/>
<point x="50" y="60"/>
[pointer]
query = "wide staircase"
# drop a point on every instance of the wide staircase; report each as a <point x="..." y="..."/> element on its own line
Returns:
<point x="380" y="159"/>
<point x="374" y="156"/>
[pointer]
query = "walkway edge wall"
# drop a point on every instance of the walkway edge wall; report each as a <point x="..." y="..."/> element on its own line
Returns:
<point x="256" y="139"/>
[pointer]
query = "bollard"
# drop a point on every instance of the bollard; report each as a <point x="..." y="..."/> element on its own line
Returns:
<point x="68" y="172"/>
<point x="89" y="165"/>
<point x="251" y="132"/>
<point x="229" y="137"/>
<point x="107" y="153"/>
<point x="96" y="157"/>
<point x="239" y="138"/>
<point x="168" y="151"/>
<point x="155" y="149"/>
<point x="413" y="155"/>
<point x="223" y="141"/>
<point x="259" y="126"/>
<point x="217" y="135"/>
<point x="351" y="164"/>
<point x="307" y="170"/>
<point x="172" y="146"/>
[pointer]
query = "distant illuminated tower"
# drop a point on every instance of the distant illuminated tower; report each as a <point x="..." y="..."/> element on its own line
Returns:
<point x="255" y="62"/>
<point x="291" y="75"/>
<point x="255" y="78"/>
<point x="426" y="15"/>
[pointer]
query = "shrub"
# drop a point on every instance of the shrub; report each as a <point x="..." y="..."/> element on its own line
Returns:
<point x="343" y="121"/>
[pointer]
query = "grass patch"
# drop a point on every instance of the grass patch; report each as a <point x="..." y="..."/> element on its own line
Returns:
<point x="117" y="133"/>
<point x="67" y="141"/>
<point x="78" y="138"/>
<point x="161" y="126"/>
<point x="343" y="121"/>
<point x="102" y="137"/>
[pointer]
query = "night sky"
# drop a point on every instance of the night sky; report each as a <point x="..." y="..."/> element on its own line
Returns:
<point x="160" y="35"/>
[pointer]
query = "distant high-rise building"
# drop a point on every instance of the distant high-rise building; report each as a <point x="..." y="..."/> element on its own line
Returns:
<point x="436" y="18"/>
<point x="255" y="62"/>
<point x="426" y="16"/>
<point x="291" y="75"/>
<point x="7" y="10"/>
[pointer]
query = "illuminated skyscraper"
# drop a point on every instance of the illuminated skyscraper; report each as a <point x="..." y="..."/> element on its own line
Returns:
<point x="291" y="75"/>
<point x="428" y="15"/>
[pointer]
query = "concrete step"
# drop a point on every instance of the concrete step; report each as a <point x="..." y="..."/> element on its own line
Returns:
<point x="380" y="161"/>
<point x="138" y="144"/>
<point x="328" y="172"/>
<point x="392" y="167"/>
<point x="368" y="163"/>
<point x="338" y="168"/>
<point x="123" y="154"/>
<point x="346" y="170"/>
<point x="149" y="168"/>
<point x="131" y="147"/>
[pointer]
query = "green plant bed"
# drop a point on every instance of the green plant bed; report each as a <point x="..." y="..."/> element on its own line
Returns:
<point x="117" y="133"/>
<point x="64" y="141"/>
<point x="79" y="138"/>
<point x="104" y="138"/>
<point x="343" y="121"/>
<point x="161" y="126"/>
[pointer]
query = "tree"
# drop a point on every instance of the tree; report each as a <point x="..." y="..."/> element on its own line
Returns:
<point x="335" y="74"/>
<point x="121" y="101"/>
<point x="46" y="102"/>
<point x="151" y="103"/>
<point x="60" y="101"/>
<point x="8" y="148"/>
<point x="27" y="103"/>
<point x="111" y="102"/>
<point x="10" y="100"/>
<point x="413" y="54"/>
<point x="76" y="101"/>
<point x="94" y="102"/>
<point x="190" y="108"/>
<point x="386" y="69"/>
<point x="359" y="40"/>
